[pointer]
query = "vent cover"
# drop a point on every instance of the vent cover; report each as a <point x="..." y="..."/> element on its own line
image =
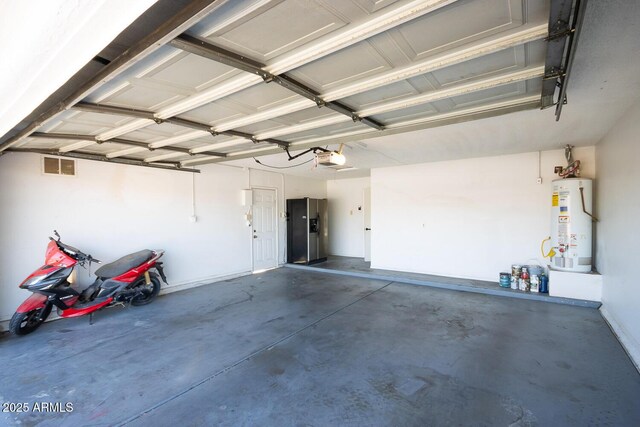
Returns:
<point x="56" y="166"/>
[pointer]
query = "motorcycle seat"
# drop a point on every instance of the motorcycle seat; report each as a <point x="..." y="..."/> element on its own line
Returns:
<point x="124" y="264"/>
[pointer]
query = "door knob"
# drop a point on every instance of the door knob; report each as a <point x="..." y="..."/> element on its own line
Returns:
<point x="255" y="237"/>
<point x="367" y="229"/>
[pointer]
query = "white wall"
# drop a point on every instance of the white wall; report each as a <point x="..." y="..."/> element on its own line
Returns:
<point x="110" y="210"/>
<point x="297" y="187"/>
<point x="346" y="222"/>
<point x="618" y="208"/>
<point x="468" y="218"/>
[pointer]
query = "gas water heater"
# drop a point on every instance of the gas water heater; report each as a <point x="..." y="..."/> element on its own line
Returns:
<point x="571" y="225"/>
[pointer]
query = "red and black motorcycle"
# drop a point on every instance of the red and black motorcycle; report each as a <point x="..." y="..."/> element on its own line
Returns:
<point x="129" y="279"/>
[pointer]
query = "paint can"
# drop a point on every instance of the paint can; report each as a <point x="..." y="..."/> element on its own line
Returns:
<point x="515" y="276"/>
<point x="505" y="280"/>
<point x="535" y="283"/>
<point x="544" y="284"/>
<point x="525" y="280"/>
<point x="535" y="269"/>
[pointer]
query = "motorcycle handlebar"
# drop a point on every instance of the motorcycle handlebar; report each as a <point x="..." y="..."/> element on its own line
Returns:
<point x="84" y="257"/>
<point x="92" y="259"/>
<point x="79" y="255"/>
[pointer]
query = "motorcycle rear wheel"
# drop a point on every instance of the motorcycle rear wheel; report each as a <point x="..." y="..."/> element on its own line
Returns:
<point x="149" y="292"/>
<point x="25" y="323"/>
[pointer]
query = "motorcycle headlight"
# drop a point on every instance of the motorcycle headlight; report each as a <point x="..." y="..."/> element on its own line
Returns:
<point x="32" y="281"/>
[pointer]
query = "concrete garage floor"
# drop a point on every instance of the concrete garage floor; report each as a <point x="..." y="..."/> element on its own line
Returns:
<point x="288" y="347"/>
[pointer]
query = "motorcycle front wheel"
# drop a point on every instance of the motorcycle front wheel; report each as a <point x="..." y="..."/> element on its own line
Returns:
<point x="149" y="292"/>
<point x="25" y="323"/>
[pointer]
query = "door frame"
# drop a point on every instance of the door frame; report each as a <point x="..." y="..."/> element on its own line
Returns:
<point x="275" y="189"/>
<point x="366" y="212"/>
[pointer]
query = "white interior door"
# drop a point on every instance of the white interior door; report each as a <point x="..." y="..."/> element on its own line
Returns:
<point x="265" y="232"/>
<point x="367" y="224"/>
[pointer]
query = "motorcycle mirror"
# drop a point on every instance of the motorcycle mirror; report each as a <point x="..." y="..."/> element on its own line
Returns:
<point x="55" y="232"/>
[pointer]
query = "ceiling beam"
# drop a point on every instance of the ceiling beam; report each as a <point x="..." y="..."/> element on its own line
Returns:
<point x="559" y="14"/>
<point x="112" y="109"/>
<point x="459" y="116"/>
<point x="167" y="141"/>
<point x="173" y="166"/>
<point x="218" y="145"/>
<point x="462" y="54"/>
<point x="124" y="152"/>
<point x="412" y="101"/>
<point x="383" y="20"/>
<point x="452" y="91"/>
<point x="159" y="157"/>
<point x="191" y="13"/>
<point x="146" y="146"/>
<point x="311" y="124"/>
<point x="122" y="141"/>
<point x="76" y="146"/>
<point x="150" y="115"/>
<point x="487" y="46"/>
<point x="576" y="26"/>
<point x="207" y="50"/>
<point x="126" y="128"/>
<point x="145" y="114"/>
<point x="565" y="21"/>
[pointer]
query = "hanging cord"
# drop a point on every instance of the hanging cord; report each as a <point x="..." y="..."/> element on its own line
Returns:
<point x="313" y="150"/>
<point x="281" y="167"/>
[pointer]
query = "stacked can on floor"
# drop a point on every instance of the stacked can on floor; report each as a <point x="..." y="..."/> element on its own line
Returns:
<point x="515" y="276"/>
<point x="505" y="280"/>
<point x="527" y="278"/>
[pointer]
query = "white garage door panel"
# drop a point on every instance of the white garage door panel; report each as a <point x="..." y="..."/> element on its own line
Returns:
<point x="213" y="113"/>
<point x="326" y="131"/>
<point x="361" y="53"/>
<point x="192" y="71"/>
<point x="260" y="34"/>
<point x="142" y="98"/>
<point x="407" y="114"/>
<point x="502" y="61"/>
<point x="452" y="27"/>
<point x="359" y="61"/>
<point x="85" y="128"/>
<point x="260" y="97"/>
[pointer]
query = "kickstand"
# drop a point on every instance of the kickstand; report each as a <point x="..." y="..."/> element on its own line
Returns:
<point x="90" y="318"/>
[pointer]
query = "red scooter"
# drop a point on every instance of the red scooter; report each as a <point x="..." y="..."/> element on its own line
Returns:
<point x="127" y="280"/>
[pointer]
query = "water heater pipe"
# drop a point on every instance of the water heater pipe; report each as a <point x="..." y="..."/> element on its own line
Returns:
<point x="584" y="209"/>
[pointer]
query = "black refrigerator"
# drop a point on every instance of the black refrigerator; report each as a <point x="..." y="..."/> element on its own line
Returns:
<point x="307" y="230"/>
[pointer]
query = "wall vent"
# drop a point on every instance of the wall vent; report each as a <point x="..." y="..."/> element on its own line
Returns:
<point x="56" y="166"/>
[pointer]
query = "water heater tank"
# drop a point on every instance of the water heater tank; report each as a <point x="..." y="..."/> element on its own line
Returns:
<point x="571" y="229"/>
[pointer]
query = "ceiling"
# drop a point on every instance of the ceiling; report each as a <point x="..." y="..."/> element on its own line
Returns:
<point x="402" y="69"/>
